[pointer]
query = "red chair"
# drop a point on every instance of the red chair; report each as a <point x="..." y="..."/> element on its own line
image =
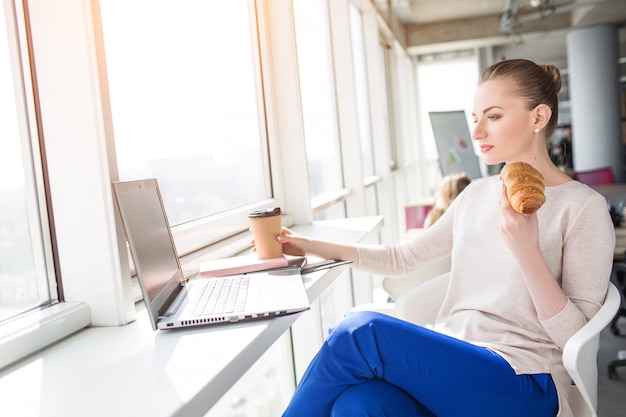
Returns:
<point x="415" y="215"/>
<point x="597" y="176"/>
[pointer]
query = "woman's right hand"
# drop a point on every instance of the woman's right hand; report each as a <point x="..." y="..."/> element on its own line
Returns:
<point x="299" y="245"/>
<point x="293" y="243"/>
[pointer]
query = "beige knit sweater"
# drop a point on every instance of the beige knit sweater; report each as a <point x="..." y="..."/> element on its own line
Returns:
<point x="487" y="301"/>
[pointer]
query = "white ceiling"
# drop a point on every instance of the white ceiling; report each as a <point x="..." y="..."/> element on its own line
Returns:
<point x="428" y="22"/>
<point x="440" y="25"/>
<point x="431" y="11"/>
<point x="428" y="11"/>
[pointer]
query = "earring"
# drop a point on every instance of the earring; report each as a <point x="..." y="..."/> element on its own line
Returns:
<point x="536" y="130"/>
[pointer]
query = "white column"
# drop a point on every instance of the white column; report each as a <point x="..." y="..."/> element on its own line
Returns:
<point x="592" y="54"/>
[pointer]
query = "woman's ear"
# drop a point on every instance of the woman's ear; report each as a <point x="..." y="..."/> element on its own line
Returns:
<point x="541" y="116"/>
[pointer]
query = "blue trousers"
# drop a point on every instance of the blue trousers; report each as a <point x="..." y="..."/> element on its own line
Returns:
<point x="376" y="365"/>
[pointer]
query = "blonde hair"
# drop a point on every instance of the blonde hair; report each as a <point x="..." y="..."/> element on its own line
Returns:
<point x="450" y="188"/>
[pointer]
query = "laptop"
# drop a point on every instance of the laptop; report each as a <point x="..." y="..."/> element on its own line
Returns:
<point x="173" y="301"/>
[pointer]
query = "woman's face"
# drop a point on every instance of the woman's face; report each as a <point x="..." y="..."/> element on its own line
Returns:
<point x="503" y="126"/>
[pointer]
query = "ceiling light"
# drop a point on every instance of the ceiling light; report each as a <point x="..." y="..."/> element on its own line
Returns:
<point x="507" y="20"/>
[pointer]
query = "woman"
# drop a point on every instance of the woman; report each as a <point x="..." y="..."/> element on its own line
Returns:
<point x="520" y="285"/>
<point x="451" y="187"/>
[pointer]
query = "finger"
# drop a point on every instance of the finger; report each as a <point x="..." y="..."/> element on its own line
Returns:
<point x="505" y="204"/>
<point x="287" y="232"/>
<point x="503" y="199"/>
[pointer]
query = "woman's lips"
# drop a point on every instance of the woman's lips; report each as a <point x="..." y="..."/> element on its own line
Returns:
<point x="485" y="148"/>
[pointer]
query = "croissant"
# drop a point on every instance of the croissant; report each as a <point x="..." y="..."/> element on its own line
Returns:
<point x="524" y="187"/>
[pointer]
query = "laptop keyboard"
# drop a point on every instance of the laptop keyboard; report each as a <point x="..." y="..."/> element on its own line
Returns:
<point x="221" y="296"/>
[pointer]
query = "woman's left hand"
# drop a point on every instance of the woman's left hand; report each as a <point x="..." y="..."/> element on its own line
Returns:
<point x="521" y="235"/>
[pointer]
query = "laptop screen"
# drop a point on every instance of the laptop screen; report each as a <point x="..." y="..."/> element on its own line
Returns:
<point x="150" y="241"/>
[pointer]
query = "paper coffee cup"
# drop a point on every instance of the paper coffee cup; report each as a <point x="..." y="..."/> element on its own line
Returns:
<point x="265" y="226"/>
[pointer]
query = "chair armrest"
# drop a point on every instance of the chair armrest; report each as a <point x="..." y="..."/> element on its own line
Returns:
<point x="583" y="346"/>
<point x="421" y="304"/>
<point x="396" y="286"/>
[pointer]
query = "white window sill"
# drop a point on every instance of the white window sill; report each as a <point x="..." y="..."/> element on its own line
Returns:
<point x="52" y="382"/>
<point x="38" y="329"/>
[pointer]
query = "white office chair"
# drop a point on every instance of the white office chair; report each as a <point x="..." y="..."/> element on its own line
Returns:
<point x="397" y="286"/>
<point x="580" y="355"/>
<point x="421" y="304"/>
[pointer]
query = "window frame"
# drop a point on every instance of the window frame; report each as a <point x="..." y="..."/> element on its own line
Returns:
<point x="52" y="321"/>
<point x="198" y="234"/>
<point x="75" y="114"/>
<point x="284" y="142"/>
<point x="327" y="197"/>
<point x="29" y="132"/>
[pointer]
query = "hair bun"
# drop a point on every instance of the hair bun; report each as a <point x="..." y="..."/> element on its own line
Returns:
<point x="554" y="72"/>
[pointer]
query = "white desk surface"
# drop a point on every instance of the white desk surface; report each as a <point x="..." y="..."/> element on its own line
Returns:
<point x="135" y="371"/>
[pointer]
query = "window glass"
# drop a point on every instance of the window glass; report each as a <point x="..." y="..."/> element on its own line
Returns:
<point x="318" y="96"/>
<point x="266" y="387"/>
<point x="406" y="112"/>
<point x="23" y="270"/>
<point x="186" y="101"/>
<point x="386" y="108"/>
<point x="362" y="92"/>
<point x="335" y="211"/>
<point x="335" y="301"/>
<point x="371" y="200"/>
<point x="445" y="85"/>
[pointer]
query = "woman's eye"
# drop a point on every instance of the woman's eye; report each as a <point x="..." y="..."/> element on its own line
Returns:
<point x="493" y="117"/>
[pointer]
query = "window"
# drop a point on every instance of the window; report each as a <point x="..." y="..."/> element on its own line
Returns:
<point x="362" y="91"/>
<point x="444" y="83"/>
<point x="317" y="90"/>
<point x="383" y="74"/>
<point x="187" y="105"/>
<point x="31" y="316"/>
<point x="27" y="278"/>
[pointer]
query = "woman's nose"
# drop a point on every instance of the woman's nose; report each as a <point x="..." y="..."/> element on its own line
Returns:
<point x="478" y="132"/>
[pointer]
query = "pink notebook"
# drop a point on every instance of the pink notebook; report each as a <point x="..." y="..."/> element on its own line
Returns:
<point x="239" y="265"/>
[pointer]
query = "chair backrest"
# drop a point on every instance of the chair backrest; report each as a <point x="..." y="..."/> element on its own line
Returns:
<point x="580" y="357"/>
<point x="597" y="176"/>
<point x="421" y="304"/>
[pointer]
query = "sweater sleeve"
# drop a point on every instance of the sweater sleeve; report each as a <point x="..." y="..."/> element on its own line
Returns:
<point x="589" y="243"/>
<point x="430" y="244"/>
